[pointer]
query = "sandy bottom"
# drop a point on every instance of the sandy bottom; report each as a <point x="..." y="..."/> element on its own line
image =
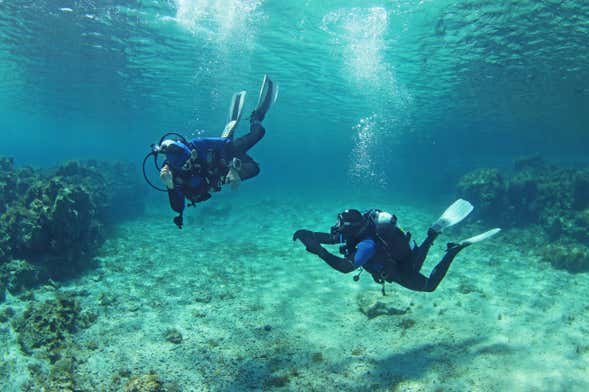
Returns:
<point x="256" y="312"/>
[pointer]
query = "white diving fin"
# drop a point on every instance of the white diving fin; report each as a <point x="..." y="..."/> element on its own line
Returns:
<point x="480" y="237"/>
<point x="268" y="95"/>
<point x="235" y="109"/>
<point x="453" y="215"/>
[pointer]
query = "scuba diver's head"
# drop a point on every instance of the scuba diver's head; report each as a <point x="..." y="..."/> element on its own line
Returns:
<point x="170" y="146"/>
<point x="349" y="223"/>
<point x="176" y="152"/>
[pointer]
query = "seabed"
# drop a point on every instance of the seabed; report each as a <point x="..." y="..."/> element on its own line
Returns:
<point x="230" y="303"/>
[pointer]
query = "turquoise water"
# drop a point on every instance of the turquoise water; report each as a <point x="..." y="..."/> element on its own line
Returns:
<point x="382" y="104"/>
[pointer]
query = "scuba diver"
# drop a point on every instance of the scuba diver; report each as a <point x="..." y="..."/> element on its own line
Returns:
<point x="194" y="168"/>
<point x="374" y="242"/>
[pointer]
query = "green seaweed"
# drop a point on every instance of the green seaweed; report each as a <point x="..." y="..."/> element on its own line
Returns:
<point x="573" y="258"/>
<point x="46" y="327"/>
<point x="145" y="383"/>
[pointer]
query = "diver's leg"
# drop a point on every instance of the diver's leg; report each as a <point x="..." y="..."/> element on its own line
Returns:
<point x="440" y="270"/>
<point x="249" y="168"/>
<point x="413" y="280"/>
<point x="244" y="143"/>
<point x="419" y="253"/>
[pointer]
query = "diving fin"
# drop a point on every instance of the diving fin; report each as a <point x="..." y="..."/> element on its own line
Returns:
<point x="480" y="237"/>
<point x="235" y="108"/>
<point x="453" y="215"/>
<point x="268" y="95"/>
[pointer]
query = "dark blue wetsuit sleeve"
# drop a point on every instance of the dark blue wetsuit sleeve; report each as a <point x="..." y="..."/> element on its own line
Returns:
<point x="365" y="250"/>
<point x="176" y="198"/>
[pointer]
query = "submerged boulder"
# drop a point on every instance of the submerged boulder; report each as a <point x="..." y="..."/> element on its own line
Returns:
<point x="146" y="383"/>
<point x="116" y="187"/>
<point x="485" y="188"/>
<point x="20" y="275"/>
<point x="573" y="258"/>
<point x="373" y="307"/>
<point x="61" y="215"/>
<point x="552" y="201"/>
<point x="535" y="193"/>
<point x="581" y="190"/>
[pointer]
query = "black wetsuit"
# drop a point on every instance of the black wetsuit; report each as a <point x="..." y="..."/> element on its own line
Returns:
<point x="395" y="262"/>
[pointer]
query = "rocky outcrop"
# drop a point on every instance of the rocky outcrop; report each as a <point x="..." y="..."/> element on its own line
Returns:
<point x="58" y="217"/>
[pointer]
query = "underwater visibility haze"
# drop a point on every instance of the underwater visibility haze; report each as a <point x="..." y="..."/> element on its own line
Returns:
<point x="401" y="106"/>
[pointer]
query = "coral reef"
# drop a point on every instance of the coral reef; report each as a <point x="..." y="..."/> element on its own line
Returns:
<point x="535" y="193"/>
<point x="6" y="314"/>
<point x="46" y="327"/>
<point x="373" y="307"/>
<point x="573" y="258"/>
<point x="554" y="200"/>
<point x="172" y="335"/>
<point x="18" y="275"/>
<point x="485" y="188"/>
<point x="58" y="217"/>
<point x="147" y="383"/>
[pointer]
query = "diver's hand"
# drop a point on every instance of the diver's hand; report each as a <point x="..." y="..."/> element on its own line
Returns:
<point x="302" y="235"/>
<point x="179" y="221"/>
<point x="166" y="177"/>
<point x="308" y="239"/>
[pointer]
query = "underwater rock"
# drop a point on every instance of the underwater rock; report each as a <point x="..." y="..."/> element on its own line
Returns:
<point x="6" y="164"/>
<point x="147" y="383"/>
<point x="277" y="381"/>
<point x="61" y="376"/>
<point x="406" y="323"/>
<point x="172" y="335"/>
<point x="21" y="275"/>
<point x="7" y="183"/>
<point x="317" y="357"/>
<point x="59" y="217"/>
<point x="536" y="193"/>
<point x="581" y="190"/>
<point x="522" y="195"/>
<point x="371" y="307"/>
<point x="116" y="186"/>
<point x="48" y="325"/>
<point x="573" y="258"/>
<point x="6" y="314"/>
<point x="381" y="309"/>
<point x="484" y="188"/>
<point x="202" y="296"/>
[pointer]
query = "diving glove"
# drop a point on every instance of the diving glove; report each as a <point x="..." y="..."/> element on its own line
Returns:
<point x="308" y="239"/>
<point x="179" y="221"/>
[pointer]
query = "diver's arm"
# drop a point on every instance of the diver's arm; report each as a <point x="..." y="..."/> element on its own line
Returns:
<point x="312" y="244"/>
<point x="365" y="250"/>
<point x="325" y="238"/>
<point x="175" y="195"/>
<point x="335" y="262"/>
<point x="176" y="198"/>
<point x="308" y="236"/>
